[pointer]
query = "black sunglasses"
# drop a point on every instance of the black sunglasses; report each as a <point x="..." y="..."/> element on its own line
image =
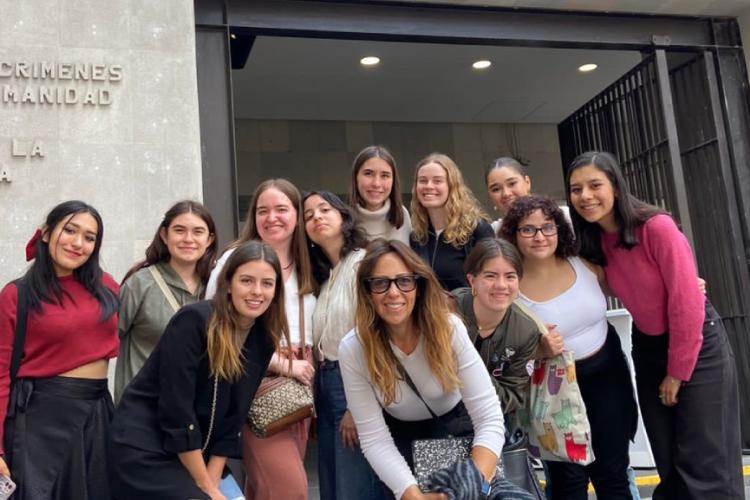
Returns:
<point x="381" y="284"/>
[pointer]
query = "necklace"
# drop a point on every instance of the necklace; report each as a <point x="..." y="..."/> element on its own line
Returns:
<point x="287" y="266"/>
<point x="485" y="328"/>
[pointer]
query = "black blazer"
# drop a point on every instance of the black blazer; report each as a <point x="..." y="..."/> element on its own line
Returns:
<point x="167" y="406"/>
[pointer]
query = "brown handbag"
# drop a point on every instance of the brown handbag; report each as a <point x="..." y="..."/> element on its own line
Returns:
<point x="281" y="401"/>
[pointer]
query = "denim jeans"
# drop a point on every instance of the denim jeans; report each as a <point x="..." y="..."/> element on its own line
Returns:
<point x="344" y="473"/>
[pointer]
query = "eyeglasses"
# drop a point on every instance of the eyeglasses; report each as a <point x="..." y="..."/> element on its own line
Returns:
<point x="530" y="231"/>
<point x="381" y="284"/>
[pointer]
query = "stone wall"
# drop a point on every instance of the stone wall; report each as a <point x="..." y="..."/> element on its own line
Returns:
<point x="319" y="154"/>
<point x="98" y="102"/>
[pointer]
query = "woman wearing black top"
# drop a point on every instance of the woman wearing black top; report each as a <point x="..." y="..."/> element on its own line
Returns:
<point x="180" y="417"/>
<point x="447" y="221"/>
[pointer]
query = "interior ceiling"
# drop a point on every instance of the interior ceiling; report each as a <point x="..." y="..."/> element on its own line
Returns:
<point x="672" y="7"/>
<point x="319" y="79"/>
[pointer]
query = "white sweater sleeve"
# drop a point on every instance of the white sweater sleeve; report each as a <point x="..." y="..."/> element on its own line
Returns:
<point x="213" y="279"/>
<point x="374" y="436"/>
<point x="477" y="392"/>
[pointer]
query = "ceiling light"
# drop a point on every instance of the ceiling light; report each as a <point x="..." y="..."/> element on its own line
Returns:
<point x="483" y="64"/>
<point x="233" y="36"/>
<point x="587" y="67"/>
<point x="369" y="61"/>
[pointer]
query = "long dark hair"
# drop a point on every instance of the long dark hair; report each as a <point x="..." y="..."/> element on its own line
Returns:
<point x="629" y="211"/>
<point x="157" y="251"/>
<point x="41" y="280"/>
<point x="396" y="212"/>
<point x="354" y="236"/>
<point x="224" y="349"/>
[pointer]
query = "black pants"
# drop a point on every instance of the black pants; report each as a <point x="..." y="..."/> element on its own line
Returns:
<point x="607" y="391"/>
<point x="696" y="443"/>
<point x="56" y="438"/>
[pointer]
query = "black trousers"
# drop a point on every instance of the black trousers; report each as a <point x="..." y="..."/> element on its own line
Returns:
<point x="696" y="443"/>
<point x="607" y="391"/>
<point x="56" y="438"/>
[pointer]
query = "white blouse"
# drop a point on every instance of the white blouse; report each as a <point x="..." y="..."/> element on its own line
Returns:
<point x="365" y="402"/>
<point x="336" y="306"/>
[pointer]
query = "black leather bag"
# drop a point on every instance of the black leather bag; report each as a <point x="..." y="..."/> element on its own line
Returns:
<point x="518" y="469"/>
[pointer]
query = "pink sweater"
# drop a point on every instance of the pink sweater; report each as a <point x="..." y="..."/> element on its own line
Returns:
<point x="656" y="280"/>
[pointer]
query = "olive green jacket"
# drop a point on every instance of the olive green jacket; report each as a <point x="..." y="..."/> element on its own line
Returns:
<point x="508" y="353"/>
<point x="143" y="315"/>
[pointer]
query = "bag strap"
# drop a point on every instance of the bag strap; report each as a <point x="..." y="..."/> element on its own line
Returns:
<point x="301" y="320"/>
<point x="213" y="414"/>
<point x="19" y="338"/>
<point x="164" y="288"/>
<point x="402" y="371"/>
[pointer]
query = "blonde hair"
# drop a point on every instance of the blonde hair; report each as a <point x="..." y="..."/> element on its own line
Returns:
<point x="430" y="317"/>
<point x="224" y="347"/>
<point x="462" y="208"/>
<point x="305" y="279"/>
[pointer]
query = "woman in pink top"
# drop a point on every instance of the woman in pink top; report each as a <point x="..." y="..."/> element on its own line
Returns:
<point x="685" y="369"/>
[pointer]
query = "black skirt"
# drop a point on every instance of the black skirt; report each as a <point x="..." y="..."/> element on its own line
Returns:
<point x="55" y="438"/>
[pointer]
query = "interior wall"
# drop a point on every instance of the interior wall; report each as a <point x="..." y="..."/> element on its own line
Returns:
<point x="319" y="154"/>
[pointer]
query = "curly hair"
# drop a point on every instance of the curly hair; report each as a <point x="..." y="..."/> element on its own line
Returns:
<point x="462" y="208"/>
<point x="523" y="207"/>
<point x="431" y="320"/>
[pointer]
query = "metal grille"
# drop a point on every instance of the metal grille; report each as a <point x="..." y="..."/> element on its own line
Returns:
<point x="718" y="245"/>
<point x="626" y="119"/>
<point x="633" y="120"/>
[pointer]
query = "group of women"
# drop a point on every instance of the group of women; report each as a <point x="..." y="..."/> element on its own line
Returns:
<point x="356" y="301"/>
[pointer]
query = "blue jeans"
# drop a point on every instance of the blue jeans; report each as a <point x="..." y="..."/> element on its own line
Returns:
<point x="344" y="473"/>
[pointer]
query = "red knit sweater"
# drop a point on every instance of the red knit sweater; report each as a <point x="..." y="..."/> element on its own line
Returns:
<point x="61" y="338"/>
<point x="656" y="281"/>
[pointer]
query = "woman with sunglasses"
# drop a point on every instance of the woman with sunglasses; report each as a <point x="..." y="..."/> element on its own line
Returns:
<point x="565" y="290"/>
<point x="335" y="244"/>
<point x="409" y="358"/>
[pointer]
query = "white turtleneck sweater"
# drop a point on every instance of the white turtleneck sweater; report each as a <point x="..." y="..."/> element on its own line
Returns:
<point x="376" y="225"/>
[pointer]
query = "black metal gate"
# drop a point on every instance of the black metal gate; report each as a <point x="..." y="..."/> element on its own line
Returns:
<point x="663" y="120"/>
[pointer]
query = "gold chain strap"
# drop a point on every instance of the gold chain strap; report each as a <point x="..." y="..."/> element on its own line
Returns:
<point x="213" y="414"/>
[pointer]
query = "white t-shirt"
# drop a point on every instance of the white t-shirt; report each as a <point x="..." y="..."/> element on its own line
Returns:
<point x="365" y="402"/>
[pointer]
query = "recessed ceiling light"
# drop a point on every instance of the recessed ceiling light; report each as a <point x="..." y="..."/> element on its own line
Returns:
<point x="369" y="61"/>
<point x="233" y="36"/>
<point x="585" y="68"/>
<point x="483" y="64"/>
